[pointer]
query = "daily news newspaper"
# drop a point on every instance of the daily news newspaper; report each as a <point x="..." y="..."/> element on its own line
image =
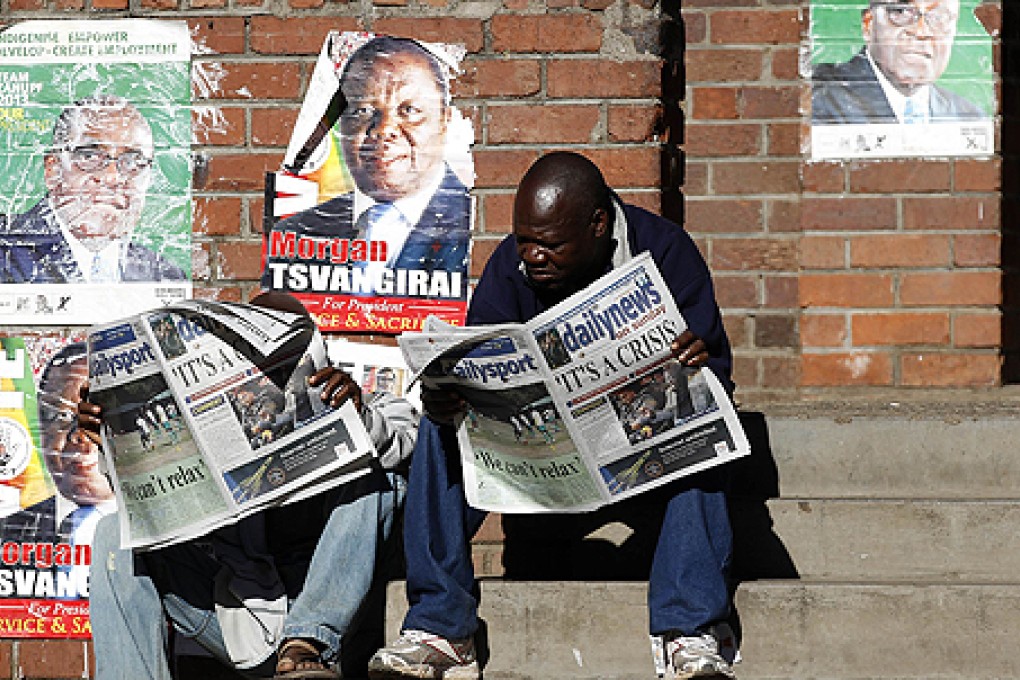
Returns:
<point x="582" y="406"/>
<point x="208" y="416"/>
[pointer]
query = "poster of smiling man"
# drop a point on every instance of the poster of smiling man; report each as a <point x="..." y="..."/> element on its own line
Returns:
<point x="369" y="222"/>
<point x="900" y="78"/>
<point x="95" y="179"/>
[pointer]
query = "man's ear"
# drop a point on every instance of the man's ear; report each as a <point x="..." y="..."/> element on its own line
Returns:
<point x="867" y="18"/>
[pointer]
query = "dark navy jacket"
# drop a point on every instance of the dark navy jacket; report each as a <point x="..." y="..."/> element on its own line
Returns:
<point x="503" y="293"/>
<point x="33" y="250"/>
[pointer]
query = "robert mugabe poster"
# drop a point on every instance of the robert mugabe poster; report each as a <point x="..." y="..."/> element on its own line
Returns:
<point x="95" y="172"/>
<point x="900" y="78"/>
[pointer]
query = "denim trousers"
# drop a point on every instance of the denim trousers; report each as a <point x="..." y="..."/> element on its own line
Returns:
<point x="129" y="614"/>
<point x="688" y="587"/>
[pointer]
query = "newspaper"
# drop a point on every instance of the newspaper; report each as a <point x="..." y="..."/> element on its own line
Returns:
<point x="208" y="417"/>
<point x="582" y="406"/>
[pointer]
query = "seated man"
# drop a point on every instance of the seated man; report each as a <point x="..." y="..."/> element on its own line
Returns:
<point x="321" y="555"/>
<point x="569" y="229"/>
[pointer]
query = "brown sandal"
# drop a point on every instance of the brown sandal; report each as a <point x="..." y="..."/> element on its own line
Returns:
<point x="301" y="659"/>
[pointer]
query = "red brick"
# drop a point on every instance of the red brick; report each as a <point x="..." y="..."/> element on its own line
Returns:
<point x="951" y="288"/>
<point x="713" y="103"/>
<point x="900" y="329"/>
<point x="501" y="168"/>
<point x="636" y="166"/>
<point x="296" y="35"/>
<point x="781" y="291"/>
<point x="783" y="139"/>
<point x="633" y="122"/>
<point x="846" y="369"/>
<point x="783" y="216"/>
<point x="240" y="172"/>
<point x="217" y="35"/>
<point x="27" y="5"/>
<point x="564" y="123"/>
<point x="769" y="102"/>
<point x="259" y="81"/>
<point x="481" y="250"/>
<point x="950" y="213"/>
<point x="498" y="210"/>
<point x="591" y="78"/>
<point x="217" y="125"/>
<point x="888" y="177"/>
<point x="219" y="216"/>
<point x="749" y="254"/>
<point x="745" y="371"/>
<point x="725" y="65"/>
<point x="779" y="373"/>
<point x="546" y="33"/>
<point x="977" y="330"/>
<point x="715" y="139"/>
<point x="786" y="63"/>
<point x="823" y="252"/>
<point x="847" y="214"/>
<point x="255" y="212"/>
<point x="221" y="293"/>
<point x="466" y="32"/>
<point x="738" y="330"/>
<point x="846" y="290"/>
<point x="722" y="215"/>
<point x="978" y="175"/>
<point x="74" y="5"/>
<point x="950" y="370"/>
<point x="757" y="177"/>
<point x="695" y="27"/>
<point x="53" y="658"/>
<point x="498" y="78"/>
<point x="823" y="330"/>
<point x="823" y="178"/>
<point x="899" y="250"/>
<point x="207" y="4"/>
<point x="736" y="290"/>
<point x="750" y="27"/>
<point x="272" y="127"/>
<point x="649" y="200"/>
<point x="238" y="260"/>
<point x="109" y="4"/>
<point x="977" y="250"/>
<point x="695" y="181"/>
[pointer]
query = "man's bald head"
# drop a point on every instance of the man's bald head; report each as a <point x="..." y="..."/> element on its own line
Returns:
<point x="563" y="218"/>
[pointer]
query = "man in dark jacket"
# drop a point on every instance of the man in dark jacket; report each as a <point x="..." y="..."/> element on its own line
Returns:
<point x="569" y="230"/>
<point x="907" y="46"/>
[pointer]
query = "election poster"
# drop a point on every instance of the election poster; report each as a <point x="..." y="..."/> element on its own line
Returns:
<point x="368" y="222"/>
<point x="906" y="78"/>
<point x="95" y="171"/>
<point x="52" y="493"/>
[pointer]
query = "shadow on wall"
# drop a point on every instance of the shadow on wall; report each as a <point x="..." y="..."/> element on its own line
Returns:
<point x="617" y="542"/>
<point x="1010" y="206"/>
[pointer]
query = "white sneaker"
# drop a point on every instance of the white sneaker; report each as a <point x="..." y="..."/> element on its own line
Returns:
<point x="417" y="654"/>
<point x="696" y="657"/>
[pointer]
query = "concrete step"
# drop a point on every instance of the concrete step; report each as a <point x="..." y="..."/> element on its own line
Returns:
<point x="835" y="452"/>
<point x="791" y="630"/>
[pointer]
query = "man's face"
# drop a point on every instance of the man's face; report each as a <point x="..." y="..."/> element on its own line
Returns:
<point x="72" y="459"/>
<point x="911" y="41"/>
<point x="98" y="179"/>
<point x="560" y="249"/>
<point x="394" y="128"/>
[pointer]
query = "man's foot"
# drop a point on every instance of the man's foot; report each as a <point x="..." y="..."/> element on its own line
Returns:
<point x="417" y="654"/>
<point x="696" y="657"/>
<point x="300" y="659"/>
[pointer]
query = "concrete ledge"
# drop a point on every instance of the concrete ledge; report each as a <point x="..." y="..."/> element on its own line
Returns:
<point x="791" y="630"/>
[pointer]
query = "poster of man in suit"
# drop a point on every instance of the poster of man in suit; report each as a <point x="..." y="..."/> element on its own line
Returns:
<point x="900" y="78"/>
<point x="95" y="133"/>
<point x="369" y="222"/>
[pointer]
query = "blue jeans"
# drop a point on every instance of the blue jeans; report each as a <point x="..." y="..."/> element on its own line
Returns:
<point x="127" y="611"/>
<point x="688" y="586"/>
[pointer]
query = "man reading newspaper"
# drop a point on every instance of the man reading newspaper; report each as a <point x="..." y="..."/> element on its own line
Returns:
<point x="569" y="229"/>
<point x="320" y="556"/>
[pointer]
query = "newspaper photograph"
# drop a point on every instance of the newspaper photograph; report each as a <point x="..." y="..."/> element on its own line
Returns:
<point x="95" y="151"/>
<point x="582" y="406"/>
<point x="208" y="416"/>
<point x="376" y="368"/>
